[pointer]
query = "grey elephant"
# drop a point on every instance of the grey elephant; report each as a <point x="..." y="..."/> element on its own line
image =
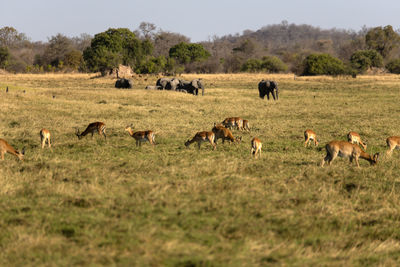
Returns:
<point x="168" y="83"/>
<point x="124" y="83"/>
<point x="265" y="87"/>
<point x="192" y="86"/>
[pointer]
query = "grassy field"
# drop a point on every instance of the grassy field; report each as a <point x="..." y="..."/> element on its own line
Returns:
<point x="97" y="202"/>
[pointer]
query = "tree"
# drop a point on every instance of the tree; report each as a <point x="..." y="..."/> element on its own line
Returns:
<point x="73" y="59"/>
<point x="365" y="59"/>
<point x="323" y="64"/>
<point x="273" y="64"/>
<point x="113" y="47"/>
<point x="55" y="51"/>
<point x="163" y="41"/>
<point x="4" y="56"/>
<point x="383" y="40"/>
<point x="10" y="37"/>
<point x="188" y="53"/>
<point x="394" y="66"/>
<point x="147" y="29"/>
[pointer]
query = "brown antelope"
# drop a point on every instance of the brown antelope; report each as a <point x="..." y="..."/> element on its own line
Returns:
<point x="256" y="146"/>
<point x="355" y="138"/>
<point x="7" y="148"/>
<point x="346" y="149"/>
<point x="246" y="125"/>
<point x="392" y="142"/>
<point x="202" y="137"/>
<point x="233" y="122"/>
<point x="308" y="136"/>
<point x="141" y="136"/>
<point x="225" y="134"/>
<point x="45" y="136"/>
<point x="93" y="127"/>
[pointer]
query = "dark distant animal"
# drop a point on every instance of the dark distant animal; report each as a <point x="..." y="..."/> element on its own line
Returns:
<point x="192" y="87"/>
<point x="265" y="87"/>
<point x="124" y="83"/>
<point x="7" y="89"/>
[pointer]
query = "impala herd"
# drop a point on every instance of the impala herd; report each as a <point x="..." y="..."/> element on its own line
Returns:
<point x="223" y="130"/>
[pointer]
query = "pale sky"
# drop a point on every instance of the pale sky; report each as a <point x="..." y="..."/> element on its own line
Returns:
<point x="196" y="19"/>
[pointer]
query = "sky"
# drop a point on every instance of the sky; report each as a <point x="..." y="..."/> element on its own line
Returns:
<point x="199" y="20"/>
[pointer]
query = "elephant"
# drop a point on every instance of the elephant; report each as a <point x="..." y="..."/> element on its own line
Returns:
<point x="265" y="87"/>
<point x="124" y="83"/>
<point x="168" y="84"/>
<point x="192" y="86"/>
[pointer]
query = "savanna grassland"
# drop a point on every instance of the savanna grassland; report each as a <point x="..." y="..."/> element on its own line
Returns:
<point x="97" y="202"/>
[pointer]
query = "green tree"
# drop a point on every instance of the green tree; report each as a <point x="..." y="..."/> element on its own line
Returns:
<point x="113" y="47"/>
<point x="56" y="50"/>
<point x="383" y="40"/>
<point x="188" y="53"/>
<point x="73" y="59"/>
<point x="394" y="66"/>
<point x="252" y="65"/>
<point x="365" y="59"/>
<point x="4" y="56"/>
<point x="323" y="64"/>
<point x="273" y="64"/>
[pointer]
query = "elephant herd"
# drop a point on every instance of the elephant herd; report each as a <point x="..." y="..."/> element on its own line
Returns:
<point x="265" y="87"/>
<point x="180" y="85"/>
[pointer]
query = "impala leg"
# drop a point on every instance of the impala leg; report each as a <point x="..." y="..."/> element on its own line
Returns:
<point x="2" y="155"/>
<point x="306" y="142"/>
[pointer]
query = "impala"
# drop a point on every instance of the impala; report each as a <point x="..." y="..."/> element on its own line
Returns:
<point x="7" y="148"/>
<point x="392" y="142"/>
<point x="310" y="135"/>
<point x="355" y="138"/>
<point x="233" y="122"/>
<point x="93" y="127"/>
<point x="225" y="134"/>
<point x="45" y="136"/>
<point x="346" y="149"/>
<point x="202" y="137"/>
<point x="256" y="146"/>
<point x="246" y="125"/>
<point x="141" y="136"/>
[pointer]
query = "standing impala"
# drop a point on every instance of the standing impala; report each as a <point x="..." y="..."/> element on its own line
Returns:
<point x="233" y="122"/>
<point x="141" y="136"/>
<point x="310" y="135"/>
<point x="7" y="148"/>
<point x="256" y="146"/>
<point x="355" y="138"/>
<point x="93" y="127"/>
<point x="202" y="137"/>
<point x="346" y="149"/>
<point x="392" y="142"/>
<point x="246" y="125"/>
<point x="45" y="136"/>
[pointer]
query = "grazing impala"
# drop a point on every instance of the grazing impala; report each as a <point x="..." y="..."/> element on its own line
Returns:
<point x="392" y="142"/>
<point x="45" y="136"/>
<point x="93" y="127"/>
<point x="256" y="146"/>
<point x="346" y="149"/>
<point x="202" y="137"/>
<point x="233" y="122"/>
<point x="355" y="138"/>
<point x="310" y="135"/>
<point x="7" y="148"/>
<point x="225" y="134"/>
<point x="141" y="136"/>
<point x="246" y="125"/>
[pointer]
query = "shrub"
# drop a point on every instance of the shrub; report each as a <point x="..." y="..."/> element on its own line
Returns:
<point x="394" y="66"/>
<point x="267" y="64"/>
<point x="323" y="64"/>
<point x="365" y="59"/>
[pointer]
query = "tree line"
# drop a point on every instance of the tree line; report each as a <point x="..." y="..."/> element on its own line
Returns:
<point x="284" y="47"/>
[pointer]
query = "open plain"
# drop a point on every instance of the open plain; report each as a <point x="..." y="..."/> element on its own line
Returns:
<point x="108" y="202"/>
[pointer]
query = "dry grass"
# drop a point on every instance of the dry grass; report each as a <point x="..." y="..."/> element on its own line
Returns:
<point x="96" y="202"/>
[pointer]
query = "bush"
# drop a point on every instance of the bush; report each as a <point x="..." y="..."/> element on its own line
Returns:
<point x="323" y="64"/>
<point x="394" y="66"/>
<point x="365" y="59"/>
<point x="273" y="64"/>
